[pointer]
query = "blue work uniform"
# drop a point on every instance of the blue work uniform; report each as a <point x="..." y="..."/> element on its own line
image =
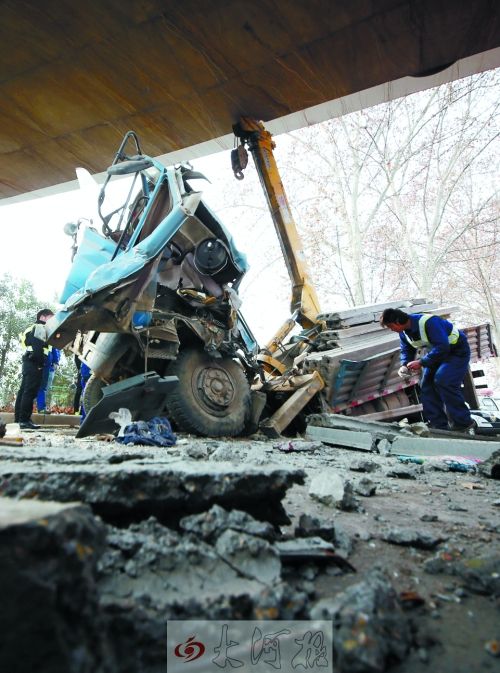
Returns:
<point x="49" y="370"/>
<point x="85" y="373"/>
<point x="444" y="365"/>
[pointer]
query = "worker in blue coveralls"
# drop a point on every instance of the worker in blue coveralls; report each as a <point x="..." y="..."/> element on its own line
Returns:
<point x="49" y="370"/>
<point x="444" y="365"/>
<point x="85" y="373"/>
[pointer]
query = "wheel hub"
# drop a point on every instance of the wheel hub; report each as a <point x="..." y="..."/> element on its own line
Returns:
<point x="216" y="387"/>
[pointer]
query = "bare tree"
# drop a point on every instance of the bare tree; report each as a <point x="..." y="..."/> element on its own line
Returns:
<point x="385" y="197"/>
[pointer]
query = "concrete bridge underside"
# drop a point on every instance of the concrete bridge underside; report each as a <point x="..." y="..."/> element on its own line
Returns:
<point x="74" y="76"/>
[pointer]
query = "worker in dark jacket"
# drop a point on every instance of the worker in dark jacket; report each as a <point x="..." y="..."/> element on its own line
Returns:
<point x="444" y="365"/>
<point x="35" y="354"/>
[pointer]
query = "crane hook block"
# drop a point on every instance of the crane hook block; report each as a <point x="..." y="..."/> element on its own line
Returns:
<point x="239" y="161"/>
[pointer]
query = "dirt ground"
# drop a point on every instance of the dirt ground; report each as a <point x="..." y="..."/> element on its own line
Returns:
<point x="454" y="626"/>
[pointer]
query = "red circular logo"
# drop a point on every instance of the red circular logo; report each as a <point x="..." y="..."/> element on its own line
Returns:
<point x="190" y="650"/>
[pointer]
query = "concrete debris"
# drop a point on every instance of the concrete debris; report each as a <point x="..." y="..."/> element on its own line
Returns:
<point x="491" y="466"/>
<point x="330" y="488"/>
<point x="223" y="453"/>
<point x="186" y="536"/>
<point x="298" y="445"/>
<point x="311" y="549"/>
<point x="454" y="507"/>
<point x="365" y="487"/>
<point x="250" y="556"/>
<point x="434" y="446"/>
<point x="211" y="524"/>
<point x="420" y="429"/>
<point x="409" y="537"/>
<point x="117" y="458"/>
<point x="480" y="575"/>
<point x="393" y="438"/>
<point x="306" y="544"/>
<point x="338" y="437"/>
<point x="48" y="556"/>
<point x="370" y="628"/>
<point x="357" y="424"/>
<point x="364" y="466"/>
<point x="409" y="472"/>
<point x="311" y="526"/>
<point x="198" y="451"/>
<point x="167" y="492"/>
<point x="149" y="574"/>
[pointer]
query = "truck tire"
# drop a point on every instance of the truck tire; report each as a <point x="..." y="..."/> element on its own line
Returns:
<point x="212" y="397"/>
<point x="92" y="393"/>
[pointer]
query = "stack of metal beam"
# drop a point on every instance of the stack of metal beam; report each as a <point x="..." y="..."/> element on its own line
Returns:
<point x="359" y="360"/>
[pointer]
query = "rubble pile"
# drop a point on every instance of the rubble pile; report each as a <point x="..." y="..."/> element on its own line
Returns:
<point x="385" y="551"/>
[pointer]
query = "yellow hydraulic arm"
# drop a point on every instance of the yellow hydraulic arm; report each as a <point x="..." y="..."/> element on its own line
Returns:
<point x="304" y="303"/>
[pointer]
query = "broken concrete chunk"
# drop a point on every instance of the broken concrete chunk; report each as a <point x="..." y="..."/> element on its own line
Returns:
<point x="330" y="488"/>
<point x="442" y="446"/>
<point x="370" y="629"/>
<point x="312" y="526"/>
<point x="339" y="437"/>
<point x="364" y="466"/>
<point x="224" y="453"/>
<point x="210" y="525"/>
<point x="298" y="445"/>
<point x="407" y="472"/>
<point x="491" y="467"/>
<point x="454" y="507"/>
<point x="165" y="491"/>
<point x="383" y="446"/>
<point x="300" y="547"/>
<point x="356" y="424"/>
<point x="161" y="575"/>
<point x="480" y="575"/>
<point x="197" y="451"/>
<point x="50" y="614"/>
<point x="409" y="537"/>
<point x="365" y="487"/>
<point x="252" y="557"/>
<point x="314" y="551"/>
<point x="344" y="542"/>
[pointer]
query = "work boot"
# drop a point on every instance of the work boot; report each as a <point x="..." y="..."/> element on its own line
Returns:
<point x="466" y="429"/>
<point x="29" y="425"/>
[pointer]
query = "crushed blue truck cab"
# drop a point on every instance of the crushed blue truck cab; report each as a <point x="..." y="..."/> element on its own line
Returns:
<point x="156" y="290"/>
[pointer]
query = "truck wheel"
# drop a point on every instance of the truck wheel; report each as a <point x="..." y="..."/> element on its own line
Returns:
<point x="212" y="397"/>
<point x="92" y="393"/>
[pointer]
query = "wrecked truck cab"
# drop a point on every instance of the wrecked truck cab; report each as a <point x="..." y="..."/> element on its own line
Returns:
<point x="156" y="290"/>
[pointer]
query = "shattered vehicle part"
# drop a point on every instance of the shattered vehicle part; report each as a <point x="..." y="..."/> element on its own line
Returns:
<point x="157" y="291"/>
<point x="145" y="393"/>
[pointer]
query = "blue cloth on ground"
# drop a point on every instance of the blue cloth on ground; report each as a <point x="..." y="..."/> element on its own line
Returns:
<point x="454" y="463"/>
<point x="156" y="432"/>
